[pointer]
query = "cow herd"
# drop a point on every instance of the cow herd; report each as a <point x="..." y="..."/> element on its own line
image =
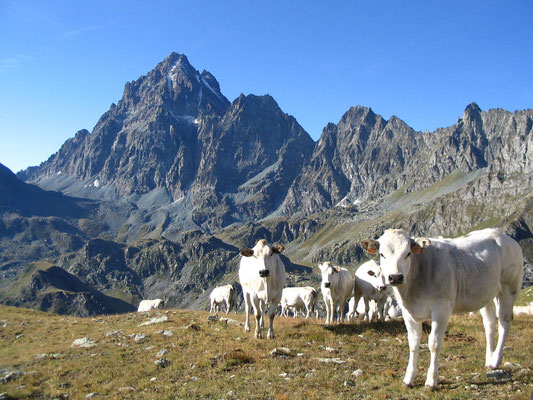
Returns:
<point x="430" y="280"/>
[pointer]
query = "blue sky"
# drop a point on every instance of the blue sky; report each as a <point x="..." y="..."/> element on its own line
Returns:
<point x="62" y="63"/>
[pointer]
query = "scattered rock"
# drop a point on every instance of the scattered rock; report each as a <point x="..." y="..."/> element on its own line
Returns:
<point x="91" y="395"/>
<point x="117" y="333"/>
<point x="126" y="389"/>
<point x="280" y="352"/>
<point x="161" y="353"/>
<point x="153" y="379"/>
<point x="329" y="349"/>
<point x="230" y="321"/>
<point x="330" y="360"/>
<point x="349" y="383"/>
<point x="192" y="327"/>
<point x="140" y="338"/>
<point x="152" y="321"/>
<point x="64" y="385"/>
<point x="498" y="374"/>
<point x="167" y="333"/>
<point x="212" y="318"/>
<point x="357" y="373"/>
<point x="85" y="342"/>
<point x="11" y="376"/>
<point x="162" y="362"/>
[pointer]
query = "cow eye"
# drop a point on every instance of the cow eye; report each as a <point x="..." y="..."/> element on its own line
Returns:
<point x="408" y="254"/>
<point x="370" y="272"/>
<point x="381" y="254"/>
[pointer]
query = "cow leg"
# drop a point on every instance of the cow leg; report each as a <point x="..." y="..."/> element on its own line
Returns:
<point x="227" y="306"/>
<point x="212" y="307"/>
<point x="256" y="303"/>
<point x="366" y="318"/>
<point x="414" y="333"/>
<point x="342" y="306"/>
<point x="247" y="302"/>
<point x="489" y="322"/>
<point x="438" y="331"/>
<point x="381" y="313"/>
<point x="506" y="299"/>
<point x="326" y="303"/>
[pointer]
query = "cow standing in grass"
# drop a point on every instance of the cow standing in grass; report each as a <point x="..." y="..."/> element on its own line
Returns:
<point x="337" y="287"/>
<point x="222" y="295"/>
<point x="435" y="278"/>
<point x="149" y="305"/>
<point x="262" y="277"/>
<point x="297" y="298"/>
<point x="370" y="285"/>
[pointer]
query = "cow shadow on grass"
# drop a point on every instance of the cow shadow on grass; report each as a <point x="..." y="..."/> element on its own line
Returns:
<point x="388" y="327"/>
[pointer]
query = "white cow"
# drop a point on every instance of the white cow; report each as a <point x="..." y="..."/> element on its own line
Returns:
<point x="435" y="278"/>
<point x="393" y="309"/>
<point x="148" y="305"/>
<point x="527" y="310"/>
<point x="296" y="298"/>
<point x="370" y="285"/>
<point x="262" y="276"/>
<point x="222" y="295"/>
<point x="337" y="287"/>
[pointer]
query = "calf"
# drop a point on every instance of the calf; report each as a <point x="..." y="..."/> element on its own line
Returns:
<point x="148" y="305"/>
<point x="435" y="278"/>
<point x="337" y="287"/>
<point x="262" y="277"/>
<point x="370" y="285"/>
<point x="222" y="295"/>
<point x="298" y="297"/>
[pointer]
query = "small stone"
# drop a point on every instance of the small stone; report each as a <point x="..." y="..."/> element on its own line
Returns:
<point x="91" y="395"/>
<point x="161" y="353"/>
<point x="280" y="352"/>
<point x="331" y="360"/>
<point x="153" y="379"/>
<point x="167" y="333"/>
<point x="230" y="321"/>
<point x="349" y="383"/>
<point x="357" y="373"/>
<point x="329" y="349"/>
<point x="85" y="342"/>
<point x="162" y="362"/>
<point x="140" y="338"/>
<point x="64" y="385"/>
<point x="116" y="333"/>
<point x="498" y="374"/>
<point x="152" y="321"/>
<point x="126" y="389"/>
<point x="212" y="318"/>
<point x="192" y="327"/>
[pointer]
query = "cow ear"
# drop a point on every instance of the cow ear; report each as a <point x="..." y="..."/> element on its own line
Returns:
<point x="246" y="252"/>
<point x="371" y="273"/>
<point x="419" y="244"/>
<point x="371" y="246"/>
<point x="278" y="248"/>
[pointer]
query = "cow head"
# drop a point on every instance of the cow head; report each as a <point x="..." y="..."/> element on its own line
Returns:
<point x="263" y="253"/>
<point x="374" y="275"/>
<point x="327" y="270"/>
<point x="395" y="248"/>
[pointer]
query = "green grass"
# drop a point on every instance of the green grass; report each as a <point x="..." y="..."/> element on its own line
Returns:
<point x="222" y="361"/>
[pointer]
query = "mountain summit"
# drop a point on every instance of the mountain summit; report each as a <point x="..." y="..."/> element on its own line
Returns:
<point x="175" y="135"/>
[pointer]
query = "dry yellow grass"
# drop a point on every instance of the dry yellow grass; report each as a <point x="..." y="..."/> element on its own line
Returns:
<point x="213" y="360"/>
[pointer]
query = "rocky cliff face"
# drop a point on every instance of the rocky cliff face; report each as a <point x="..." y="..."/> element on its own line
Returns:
<point x="174" y="130"/>
<point x="364" y="157"/>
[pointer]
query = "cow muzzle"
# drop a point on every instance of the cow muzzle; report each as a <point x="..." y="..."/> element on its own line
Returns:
<point x="264" y="273"/>
<point x="327" y="285"/>
<point x="396" y="279"/>
<point x="382" y="288"/>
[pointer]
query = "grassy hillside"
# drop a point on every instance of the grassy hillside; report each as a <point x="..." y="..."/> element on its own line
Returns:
<point x="219" y="360"/>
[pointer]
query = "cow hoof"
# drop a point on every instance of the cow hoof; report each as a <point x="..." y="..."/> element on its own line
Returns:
<point x="408" y="385"/>
<point x="431" y="388"/>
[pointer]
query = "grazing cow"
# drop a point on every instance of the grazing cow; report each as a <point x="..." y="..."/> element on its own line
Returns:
<point x="262" y="277"/>
<point x="435" y="278"/>
<point x="370" y="285"/>
<point x="392" y="308"/>
<point x="527" y="310"/>
<point x="148" y="305"/>
<point x="222" y="295"/>
<point x="296" y="298"/>
<point x="337" y="287"/>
